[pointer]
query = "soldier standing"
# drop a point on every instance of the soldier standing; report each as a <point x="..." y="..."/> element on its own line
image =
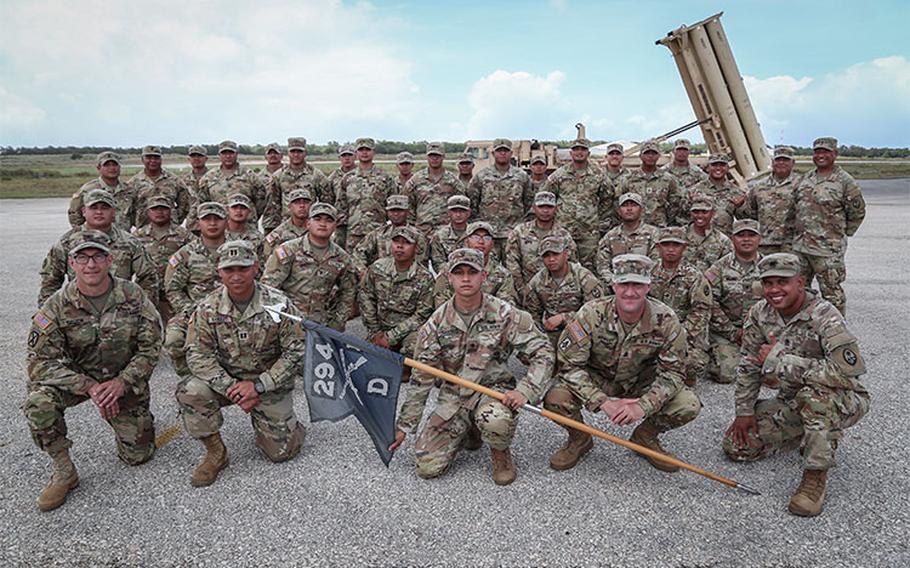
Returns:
<point x="430" y="189"/>
<point x="296" y="175"/>
<point x="538" y="167"/>
<point x="625" y="355"/>
<point x="680" y="168"/>
<point x="197" y="156"/>
<point x="465" y="167"/>
<point x="473" y="335"/>
<point x="405" y="164"/>
<point x="239" y="228"/>
<point x="771" y="202"/>
<point x="294" y="227"/>
<point x="450" y="236"/>
<point x="346" y="164"/>
<point x="161" y="237"/>
<point x="108" y="166"/>
<point x="239" y="355"/>
<point x="378" y="243"/>
<point x="154" y="180"/>
<point x="361" y="197"/>
<point x="829" y="208"/>
<point x="98" y="338"/>
<point x="727" y="196"/>
<point x="615" y="171"/>
<point x="273" y="163"/>
<point x="631" y="236"/>
<point x="232" y="178"/>
<point x="497" y="282"/>
<point x="665" y="201"/>
<point x="706" y="243"/>
<point x="803" y="341"/>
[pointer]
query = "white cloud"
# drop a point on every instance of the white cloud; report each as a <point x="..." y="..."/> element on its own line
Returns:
<point x="17" y="112"/>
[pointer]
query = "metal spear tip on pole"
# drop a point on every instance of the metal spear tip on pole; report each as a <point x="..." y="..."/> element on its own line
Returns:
<point x="746" y="489"/>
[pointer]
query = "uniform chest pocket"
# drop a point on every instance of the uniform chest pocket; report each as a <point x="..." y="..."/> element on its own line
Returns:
<point x="119" y="326"/>
<point x="81" y="332"/>
<point x="480" y="350"/>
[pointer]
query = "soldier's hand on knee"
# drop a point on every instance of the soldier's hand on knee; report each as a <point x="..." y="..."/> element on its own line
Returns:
<point x="380" y="339"/>
<point x="399" y="439"/>
<point x="630" y="411"/>
<point x="764" y="350"/>
<point x="514" y="399"/>
<point x="109" y="411"/>
<point x="740" y="429"/>
<point x="106" y="394"/>
<point x="244" y="395"/>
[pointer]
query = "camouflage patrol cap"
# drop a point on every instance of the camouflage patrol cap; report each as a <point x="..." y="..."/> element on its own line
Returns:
<point x="826" y="143"/>
<point x="211" y="208"/>
<point x="151" y="150"/>
<point x="465" y="157"/>
<point x="471" y="257"/>
<point x="404" y="158"/>
<point x="300" y="193"/>
<point x="458" y="202"/>
<point x="502" y="143"/>
<point x="236" y="253"/>
<point x="783" y="152"/>
<point x="98" y="196"/>
<point x="614" y="147"/>
<point x="90" y="239"/>
<point x="436" y="148"/>
<point x="227" y="146"/>
<point x="105" y="157"/>
<point x="239" y="199"/>
<point x="779" y="264"/>
<point x="672" y="235"/>
<point x="741" y="225"/>
<point x="296" y="143"/>
<point x="345" y="149"/>
<point x="365" y="143"/>
<point x="631" y="196"/>
<point x="545" y="198"/>
<point x="406" y="232"/>
<point x="682" y="143"/>
<point x="718" y="159"/>
<point x="197" y="149"/>
<point x="702" y="202"/>
<point x="272" y="147"/>
<point x="581" y="143"/>
<point x="632" y="268"/>
<point x="538" y="159"/>
<point x="478" y="226"/>
<point x="322" y="208"/>
<point x="552" y="243"/>
<point x="649" y="146"/>
<point x="397" y="202"/>
<point x="160" y="201"/>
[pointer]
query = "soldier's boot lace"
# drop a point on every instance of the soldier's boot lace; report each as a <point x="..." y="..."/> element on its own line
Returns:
<point x="566" y="457"/>
<point x="63" y="480"/>
<point x="503" y="469"/>
<point x="472" y="439"/>
<point x="646" y="435"/>
<point x="810" y="496"/>
<point x="215" y="460"/>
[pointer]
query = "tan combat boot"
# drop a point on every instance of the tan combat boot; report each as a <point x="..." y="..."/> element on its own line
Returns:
<point x="215" y="460"/>
<point x="646" y="435"/>
<point x="575" y="447"/>
<point x="810" y="496"/>
<point x="63" y="480"/>
<point x="472" y="439"/>
<point x="503" y="468"/>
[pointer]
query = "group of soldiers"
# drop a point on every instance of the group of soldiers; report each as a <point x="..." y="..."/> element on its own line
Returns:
<point x="619" y="289"/>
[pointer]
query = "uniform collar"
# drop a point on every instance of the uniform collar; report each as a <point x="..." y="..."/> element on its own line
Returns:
<point x="226" y="305"/>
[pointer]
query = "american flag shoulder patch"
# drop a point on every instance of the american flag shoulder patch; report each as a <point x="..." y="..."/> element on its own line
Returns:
<point x="173" y="261"/>
<point x="281" y="253"/>
<point x="577" y="332"/>
<point x="42" y="321"/>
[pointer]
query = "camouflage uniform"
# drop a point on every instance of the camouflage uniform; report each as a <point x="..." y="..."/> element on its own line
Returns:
<point x="501" y="198"/>
<point x="144" y="188"/>
<point x="641" y="240"/>
<point x="287" y="180"/>
<point x="71" y="346"/>
<point x="523" y="260"/>
<point x="378" y="244"/>
<point x="123" y="198"/>
<point x="723" y="196"/>
<point x="286" y="231"/>
<point x="828" y="210"/>
<point x="771" y="202"/>
<point x="224" y="347"/>
<point x="191" y="180"/>
<point x="361" y="203"/>
<point x="665" y="202"/>
<point x="617" y="177"/>
<point x="703" y="251"/>
<point x="219" y="185"/>
<point x="548" y="297"/>
<point x="479" y="352"/>
<point x="445" y="240"/>
<point x="499" y="283"/>
<point x="686" y="177"/>
<point x="585" y="206"/>
<point x="396" y="303"/>
<point x="334" y="179"/>
<point x="160" y="247"/>
<point x="428" y="198"/>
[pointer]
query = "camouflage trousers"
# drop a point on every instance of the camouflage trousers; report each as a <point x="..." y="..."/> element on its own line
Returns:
<point x="278" y="434"/>
<point x="813" y="420"/>
<point x="444" y="434"/>
<point x="676" y="412"/>
<point x="134" y="426"/>
<point x="830" y="272"/>
<point x="174" y="342"/>
<point x="587" y="249"/>
<point x="724" y="359"/>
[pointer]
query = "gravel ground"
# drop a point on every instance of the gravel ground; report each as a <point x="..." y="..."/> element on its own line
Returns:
<point x="336" y="505"/>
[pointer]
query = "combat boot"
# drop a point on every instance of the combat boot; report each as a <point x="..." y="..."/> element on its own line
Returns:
<point x="646" y="435"/>
<point x="215" y="460"/>
<point x="810" y="496"/>
<point x="472" y="439"/>
<point x="578" y="444"/>
<point x="63" y="480"/>
<point x="503" y="468"/>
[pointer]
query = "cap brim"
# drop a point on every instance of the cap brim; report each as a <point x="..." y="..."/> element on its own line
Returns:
<point x="223" y="150"/>
<point x="673" y="240"/>
<point x="296" y="148"/>
<point x="235" y="262"/>
<point x="631" y="278"/>
<point x="701" y="208"/>
<point x="84" y="246"/>
<point x="473" y="265"/>
<point x="621" y="203"/>
<point x="543" y="251"/>
<point x="90" y="203"/>
<point x="218" y="214"/>
<point x="753" y="231"/>
<point x="779" y="272"/>
<point x="463" y="207"/>
<point x="501" y="146"/>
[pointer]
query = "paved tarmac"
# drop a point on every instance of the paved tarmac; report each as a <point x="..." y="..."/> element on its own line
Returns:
<point x="336" y="505"/>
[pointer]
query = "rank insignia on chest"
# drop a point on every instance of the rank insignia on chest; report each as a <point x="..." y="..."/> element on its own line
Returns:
<point x="243" y="335"/>
<point x="173" y="261"/>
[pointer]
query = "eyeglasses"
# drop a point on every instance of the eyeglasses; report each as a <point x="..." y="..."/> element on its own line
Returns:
<point x="485" y="238"/>
<point x="98" y="258"/>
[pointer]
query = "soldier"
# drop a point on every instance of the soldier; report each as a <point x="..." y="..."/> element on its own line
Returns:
<point x="346" y="161"/>
<point x="378" y="244"/>
<point x="191" y="274"/>
<point x="161" y="237"/>
<point x="771" y="202"/>
<point x="685" y="290"/>
<point x="560" y="288"/>
<point x="585" y="200"/>
<point x="501" y="193"/>
<point x="405" y="163"/>
<point x="361" y="197"/>
<point x="665" y="201"/>
<point x="429" y="190"/>
<point x="829" y="208"/>
<point x="197" y="156"/>
<point x="498" y="281"/>
<point x="631" y="236"/>
<point x="232" y="178"/>
<point x="538" y="167"/>
<point x="154" y="180"/>
<point x="803" y="341"/>
<point x="679" y="167"/>
<point x="239" y="355"/>
<point x="296" y="175"/>
<point x="465" y="167"/>
<point x="273" y="163"/>
<point x="450" y="236"/>
<point x="96" y="338"/>
<point x="396" y="295"/>
<point x="615" y="171"/>
<point x="706" y="243"/>
<point x="129" y="259"/>
<point x="624" y="355"/>
<point x="473" y="335"/>
<point x="315" y="273"/>
<point x="523" y="259"/>
<point x="108" y="166"/>
<point x="727" y="196"/>
<point x="299" y="202"/>
<point x="238" y="222"/>
<point x="736" y="287"/>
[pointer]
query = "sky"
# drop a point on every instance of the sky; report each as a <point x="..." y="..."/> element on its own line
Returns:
<point x="112" y="73"/>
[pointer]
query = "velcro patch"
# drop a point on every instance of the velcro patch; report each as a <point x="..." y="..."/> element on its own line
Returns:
<point x="711" y="276"/>
<point x="281" y="253"/>
<point x="577" y="332"/>
<point x="173" y="261"/>
<point x="42" y="321"/>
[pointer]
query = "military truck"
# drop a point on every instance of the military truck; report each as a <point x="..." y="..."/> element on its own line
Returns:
<point x="522" y="152"/>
